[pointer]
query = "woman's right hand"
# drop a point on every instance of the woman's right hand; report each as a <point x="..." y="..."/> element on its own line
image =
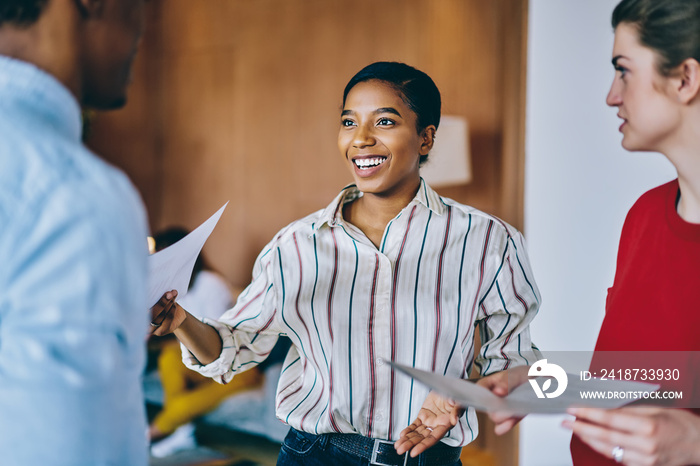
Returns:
<point x="203" y="341"/>
<point x="166" y="315"/>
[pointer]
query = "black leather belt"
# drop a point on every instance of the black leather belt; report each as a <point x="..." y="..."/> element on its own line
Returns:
<point x="382" y="453"/>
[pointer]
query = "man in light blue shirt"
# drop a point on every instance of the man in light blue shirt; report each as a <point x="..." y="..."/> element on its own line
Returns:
<point x="73" y="314"/>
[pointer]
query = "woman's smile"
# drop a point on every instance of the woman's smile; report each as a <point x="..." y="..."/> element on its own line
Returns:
<point x="366" y="166"/>
<point x="379" y="139"/>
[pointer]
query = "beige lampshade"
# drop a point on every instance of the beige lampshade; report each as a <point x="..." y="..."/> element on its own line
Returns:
<point x="449" y="163"/>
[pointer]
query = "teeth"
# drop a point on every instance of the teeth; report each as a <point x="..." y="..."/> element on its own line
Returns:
<point x="368" y="163"/>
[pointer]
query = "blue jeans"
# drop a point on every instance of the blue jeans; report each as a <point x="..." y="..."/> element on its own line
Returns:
<point x="304" y="449"/>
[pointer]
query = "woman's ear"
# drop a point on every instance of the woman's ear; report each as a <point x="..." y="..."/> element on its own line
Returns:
<point x="427" y="139"/>
<point x="689" y="80"/>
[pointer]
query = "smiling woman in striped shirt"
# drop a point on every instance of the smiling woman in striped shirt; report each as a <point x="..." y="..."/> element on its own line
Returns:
<point x="388" y="271"/>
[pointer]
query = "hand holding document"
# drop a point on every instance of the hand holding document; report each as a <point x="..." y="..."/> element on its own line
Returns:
<point x="171" y="268"/>
<point x="524" y="399"/>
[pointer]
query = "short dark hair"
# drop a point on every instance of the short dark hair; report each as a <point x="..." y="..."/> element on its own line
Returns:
<point x="417" y="90"/>
<point x="21" y="12"/>
<point x="671" y="28"/>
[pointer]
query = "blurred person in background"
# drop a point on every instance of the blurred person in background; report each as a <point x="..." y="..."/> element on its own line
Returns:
<point x="186" y="393"/>
<point x="73" y="249"/>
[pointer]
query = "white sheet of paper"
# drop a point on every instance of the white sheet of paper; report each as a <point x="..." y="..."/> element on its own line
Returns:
<point x="523" y="400"/>
<point x="171" y="268"/>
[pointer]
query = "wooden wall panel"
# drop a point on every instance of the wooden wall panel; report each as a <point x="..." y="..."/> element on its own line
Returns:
<point x="238" y="100"/>
<point x="513" y="92"/>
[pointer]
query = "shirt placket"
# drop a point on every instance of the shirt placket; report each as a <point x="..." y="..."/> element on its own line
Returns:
<point x="387" y="261"/>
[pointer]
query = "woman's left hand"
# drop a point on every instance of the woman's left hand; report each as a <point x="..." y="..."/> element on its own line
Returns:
<point x="645" y="436"/>
<point x="437" y="416"/>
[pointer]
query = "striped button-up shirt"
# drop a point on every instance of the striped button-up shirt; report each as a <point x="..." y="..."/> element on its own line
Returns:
<point x="348" y="306"/>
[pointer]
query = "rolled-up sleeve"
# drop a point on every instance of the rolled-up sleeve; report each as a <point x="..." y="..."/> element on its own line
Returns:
<point x="249" y="330"/>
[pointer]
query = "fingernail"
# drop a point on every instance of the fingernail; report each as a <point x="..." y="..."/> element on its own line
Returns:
<point x="572" y="411"/>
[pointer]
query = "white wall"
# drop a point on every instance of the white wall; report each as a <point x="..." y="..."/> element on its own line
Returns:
<point x="579" y="184"/>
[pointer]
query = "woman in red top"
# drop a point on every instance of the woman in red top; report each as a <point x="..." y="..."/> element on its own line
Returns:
<point x="653" y="304"/>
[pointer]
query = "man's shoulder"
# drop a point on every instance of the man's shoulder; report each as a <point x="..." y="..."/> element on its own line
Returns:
<point x="34" y="169"/>
<point x="57" y="183"/>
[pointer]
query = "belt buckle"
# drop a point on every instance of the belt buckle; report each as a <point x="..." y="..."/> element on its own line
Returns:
<point x="375" y="452"/>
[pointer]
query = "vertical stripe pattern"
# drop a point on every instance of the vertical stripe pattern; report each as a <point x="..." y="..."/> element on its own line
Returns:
<point x="443" y="270"/>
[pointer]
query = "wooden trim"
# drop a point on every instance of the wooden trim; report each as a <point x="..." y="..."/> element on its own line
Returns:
<point x="512" y="172"/>
<point x="514" y="96"/>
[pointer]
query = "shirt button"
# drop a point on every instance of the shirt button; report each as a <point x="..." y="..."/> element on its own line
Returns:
<point x="380" y="362"/>
<point x="379" y="416"/>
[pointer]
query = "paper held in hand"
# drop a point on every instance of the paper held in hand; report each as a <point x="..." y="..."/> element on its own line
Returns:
<point x="524" y="399"/>
<point x="171" y="268"/>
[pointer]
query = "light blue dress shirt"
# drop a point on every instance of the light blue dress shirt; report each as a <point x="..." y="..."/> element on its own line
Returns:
<point x="73" y="313"/>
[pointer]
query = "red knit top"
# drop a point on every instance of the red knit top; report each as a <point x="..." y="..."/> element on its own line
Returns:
<point x="654" y="303"/>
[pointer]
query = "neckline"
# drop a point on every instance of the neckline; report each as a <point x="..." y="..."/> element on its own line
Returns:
<point x="686" y="230"/>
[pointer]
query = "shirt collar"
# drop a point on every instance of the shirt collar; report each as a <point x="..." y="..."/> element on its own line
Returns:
<point x="332" y="215"/>
<point x="429" y="198"/>
<point x="26" y="88"/>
